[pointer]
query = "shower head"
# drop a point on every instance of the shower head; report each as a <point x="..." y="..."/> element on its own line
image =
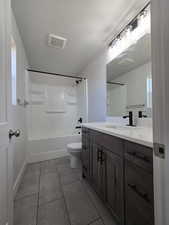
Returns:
<point x="78" y="81"/>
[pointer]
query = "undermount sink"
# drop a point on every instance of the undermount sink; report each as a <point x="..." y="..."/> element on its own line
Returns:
<point x="121" y="127"/>
<point x="114" y="126"/>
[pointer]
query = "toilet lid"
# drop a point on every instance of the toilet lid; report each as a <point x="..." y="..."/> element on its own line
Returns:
<point x="75" y="146"/>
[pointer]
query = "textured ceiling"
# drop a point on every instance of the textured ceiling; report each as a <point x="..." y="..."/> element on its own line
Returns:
<point x="86" y="25"/>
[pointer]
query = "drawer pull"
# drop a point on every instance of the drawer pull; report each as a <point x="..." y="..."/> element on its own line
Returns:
<point x="142" y="194"/>
<point x="139" y="156"/>
<point x="85" y="168"/>
<point x="115" y="176"/>
<point x="99" y="155"/>
<point x="84" y="147"/>
<point x="102" y="157"/>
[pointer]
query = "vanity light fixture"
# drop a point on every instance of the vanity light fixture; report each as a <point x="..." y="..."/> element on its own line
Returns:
<point x="134" y="31"/>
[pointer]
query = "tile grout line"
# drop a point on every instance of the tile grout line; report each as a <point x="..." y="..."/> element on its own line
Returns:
<point x="50" y="201"/>
<point x="99" y="218"/>
<point x="66" y="209"/>
<point x="67" y="214"/>
<point x="80" y="180"/>
<point x="37" y="209"/>
<point x="92" y="203"/>
<point x="72" y="182"/>
<point x="25" y="196"/>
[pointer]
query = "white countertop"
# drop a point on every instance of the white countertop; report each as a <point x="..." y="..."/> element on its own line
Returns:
<point x="140" y="135"/>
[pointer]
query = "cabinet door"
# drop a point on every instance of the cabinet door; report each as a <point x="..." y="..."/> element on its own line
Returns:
<point x="91" y="146"/>
<point x="114" y="185"/>
<point x="85" y="154"/>
<point x="139" y="189"/>
<point x="95" y="166"/>
<point x="102" y="174"/>
<point x="98" y="171"/>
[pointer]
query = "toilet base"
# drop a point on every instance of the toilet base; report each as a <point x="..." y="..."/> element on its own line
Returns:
<point x="75" y="162"/>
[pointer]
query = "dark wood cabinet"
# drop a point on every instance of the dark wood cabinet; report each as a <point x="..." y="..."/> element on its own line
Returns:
<point x="114" y="185"/>
<point x="98" y="171"/>
<point x="86" y="153"/>
<point x="94" y="162"/>
<point x="139" y="195"/>
<point x="121" y="172"/>
<point x="141" y="156"/>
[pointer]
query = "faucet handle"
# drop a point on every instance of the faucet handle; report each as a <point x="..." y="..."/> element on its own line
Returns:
<point x="80" y="120"/>
<point x="124" y="117"/>
<point x="140" y="115"/>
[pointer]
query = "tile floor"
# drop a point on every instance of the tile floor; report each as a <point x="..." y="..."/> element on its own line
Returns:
<point x="51" y="193"/>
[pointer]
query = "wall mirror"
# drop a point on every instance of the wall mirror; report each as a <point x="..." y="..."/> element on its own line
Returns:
<point x="129" y="82"/>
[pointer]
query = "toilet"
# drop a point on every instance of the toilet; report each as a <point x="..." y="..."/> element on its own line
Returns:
<point x="74" y="149"/>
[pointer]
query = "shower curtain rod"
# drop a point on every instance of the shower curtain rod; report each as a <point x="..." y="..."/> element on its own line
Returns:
<point x="56" y="74"/>
<point x="116" y="83"/>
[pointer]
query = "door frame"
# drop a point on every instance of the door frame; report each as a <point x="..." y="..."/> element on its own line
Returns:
<point x="160" y="71"/>
<point x="9" y="109"/>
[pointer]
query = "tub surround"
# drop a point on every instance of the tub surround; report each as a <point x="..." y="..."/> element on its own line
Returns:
<point x="140" y="134"/>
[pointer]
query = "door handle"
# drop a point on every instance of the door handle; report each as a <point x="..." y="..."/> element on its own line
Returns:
<point x="102" y="157"/>
<point x="99" y="153"/>
<point x="15" y="133"/>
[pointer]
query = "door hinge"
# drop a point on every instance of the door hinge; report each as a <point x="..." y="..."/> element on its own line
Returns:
<point x="159" y="150"/>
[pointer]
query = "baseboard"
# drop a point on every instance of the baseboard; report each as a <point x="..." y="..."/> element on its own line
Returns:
<point x="42" y="156"/>
<point x="19" y="178"/>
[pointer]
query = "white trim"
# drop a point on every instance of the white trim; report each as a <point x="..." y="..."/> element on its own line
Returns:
<point x="158" y="196"/>
<point x="19" y="178"/>
<point x="42" y="156"/>
<point x="160" y="71"/>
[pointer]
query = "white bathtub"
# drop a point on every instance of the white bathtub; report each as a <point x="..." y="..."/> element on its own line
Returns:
<point x="39" y="149"/>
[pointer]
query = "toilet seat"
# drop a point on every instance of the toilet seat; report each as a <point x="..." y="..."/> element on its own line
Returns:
<point x="74" y="147"/>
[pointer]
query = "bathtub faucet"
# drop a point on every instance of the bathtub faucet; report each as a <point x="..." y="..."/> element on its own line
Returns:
<point x="80" y="120"/>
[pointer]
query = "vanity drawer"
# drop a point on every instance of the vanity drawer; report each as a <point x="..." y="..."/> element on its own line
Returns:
<point x="139" y="196"/>
<point x="139" y="155"/>
<point x="109" y="142"/>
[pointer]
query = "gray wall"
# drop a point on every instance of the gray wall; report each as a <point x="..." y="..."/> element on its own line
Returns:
<point x="96" y="74"/>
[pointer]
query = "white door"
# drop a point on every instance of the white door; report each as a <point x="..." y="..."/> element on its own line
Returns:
<point x="6" y="153"/>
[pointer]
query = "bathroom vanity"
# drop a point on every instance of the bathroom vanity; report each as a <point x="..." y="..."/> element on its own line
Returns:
<point x="119" y="167"/>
